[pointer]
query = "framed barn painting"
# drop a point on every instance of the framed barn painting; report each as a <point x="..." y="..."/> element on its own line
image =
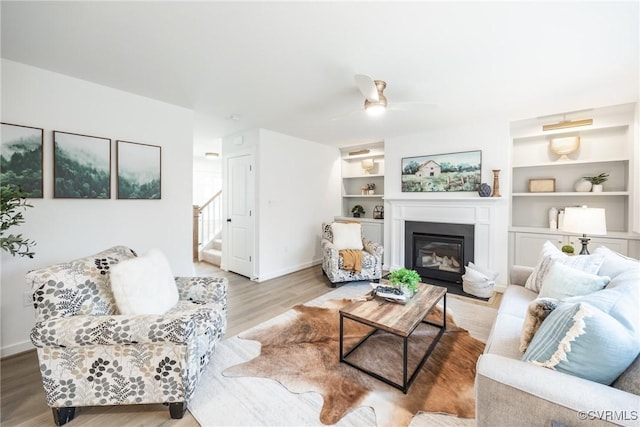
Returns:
<point x="81" y="166"/>
<point x="21" y="158"/>
<point x="442" y="172"/>
<point x="139" y="170"/>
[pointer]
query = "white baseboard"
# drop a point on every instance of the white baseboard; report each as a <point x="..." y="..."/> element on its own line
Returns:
<point x="288" y="270"/>
<point x="10" y="350"/>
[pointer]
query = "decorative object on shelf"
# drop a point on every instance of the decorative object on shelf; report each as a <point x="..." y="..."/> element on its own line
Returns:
<point x="364" y="190"/>
<point x="564" y="146"/>
<point x="484" y="190"/>
<point x="567" y="249"/>
<point x="583" y="185"/>
<point x="553" y="218"/>
<point x="442" y="172"/>
<point x="22" y="158"/>
<point x="406" y="280"/>
<point x="597" y="181"/>
<point x="357" y="210"/>
<point x="367" y="165"/>
<point x="371" y="188"/>
<point x="584" y="220"/>
<point x="560" y="218"/>
<point x="542" y="185"/>
<point x="378" y="212"/>
<point x="496" y="183"/>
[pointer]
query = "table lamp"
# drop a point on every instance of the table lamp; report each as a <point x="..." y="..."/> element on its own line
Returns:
<point x="584" y="220"/>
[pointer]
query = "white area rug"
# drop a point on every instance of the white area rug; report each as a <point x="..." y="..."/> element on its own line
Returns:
<point x="248" y="401"/>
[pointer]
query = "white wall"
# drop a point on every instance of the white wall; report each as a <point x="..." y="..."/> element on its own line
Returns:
<point x="297" y="188"/>
<point x="65" y="229"/>
<point x="491" y="136"/>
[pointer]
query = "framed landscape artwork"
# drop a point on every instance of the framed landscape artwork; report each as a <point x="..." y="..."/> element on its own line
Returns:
<point x="442" y="172"/>
<point x="81" y="166"/>
<point x="139" y="170"/>
<point x="21" y="158"/>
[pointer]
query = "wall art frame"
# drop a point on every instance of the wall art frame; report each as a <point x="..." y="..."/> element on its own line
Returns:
<point x="139" y="170"/>
<point x="449" y="172"/>
<point x="81" y="166"/>
<point x="21" y="158"/>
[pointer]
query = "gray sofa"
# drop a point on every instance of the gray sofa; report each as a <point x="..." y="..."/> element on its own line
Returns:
<point x="512" y="392"/>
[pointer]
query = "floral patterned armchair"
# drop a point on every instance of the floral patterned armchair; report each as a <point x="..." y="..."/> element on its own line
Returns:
<point x="90" y="355"/>
<point x="333" y="263"/>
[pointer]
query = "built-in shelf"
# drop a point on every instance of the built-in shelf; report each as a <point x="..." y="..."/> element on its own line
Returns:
<point x="564" y="163"/>
<point x="373" y="175"/>
<point x="573" y="194"/>
<point x="544" y="230"/>
<point x="368" y="196"/>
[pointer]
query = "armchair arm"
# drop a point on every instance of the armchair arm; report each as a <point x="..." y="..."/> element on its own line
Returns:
<point x="202" y="289"/>
<point x="373" y="248"/>
<point x="519" y="274"/>
<point x="76" y="331"/>
<point x="331" y="256"/>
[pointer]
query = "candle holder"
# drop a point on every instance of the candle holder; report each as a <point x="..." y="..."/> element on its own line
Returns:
<point x="496" y="183"/>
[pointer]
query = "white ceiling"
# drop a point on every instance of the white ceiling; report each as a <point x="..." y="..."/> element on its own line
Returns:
<point x="289" y="66"/>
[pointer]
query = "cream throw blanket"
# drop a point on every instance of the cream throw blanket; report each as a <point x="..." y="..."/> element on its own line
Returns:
<point x="351" y="259"/>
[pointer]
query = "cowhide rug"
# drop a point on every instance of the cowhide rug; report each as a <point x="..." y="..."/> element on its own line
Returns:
<point x="302" y="354"/>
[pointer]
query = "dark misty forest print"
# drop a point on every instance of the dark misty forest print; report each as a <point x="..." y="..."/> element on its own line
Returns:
<point x="21" y="163"/>
<point x="79" y="178"/>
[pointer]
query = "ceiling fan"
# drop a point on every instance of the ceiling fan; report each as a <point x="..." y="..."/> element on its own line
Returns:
<point x="375" y="102"/>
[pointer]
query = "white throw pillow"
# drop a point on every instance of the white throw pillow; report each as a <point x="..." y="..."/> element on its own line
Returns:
<point x="587" y="263"/>
<point x="144" y="285"/>
<point x="614" y="263"/>
<point x="347" y="235"/>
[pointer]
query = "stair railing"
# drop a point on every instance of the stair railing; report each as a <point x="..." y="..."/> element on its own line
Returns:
<point x="207" y="222"/>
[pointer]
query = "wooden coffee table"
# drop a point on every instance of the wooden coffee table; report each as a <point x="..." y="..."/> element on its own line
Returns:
<point x="397" y="319"/>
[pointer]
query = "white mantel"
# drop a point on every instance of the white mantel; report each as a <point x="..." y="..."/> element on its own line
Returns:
<point x="488" y="214"/>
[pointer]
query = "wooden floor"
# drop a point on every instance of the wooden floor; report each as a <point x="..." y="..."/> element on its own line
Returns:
<point x="22" y="399"/>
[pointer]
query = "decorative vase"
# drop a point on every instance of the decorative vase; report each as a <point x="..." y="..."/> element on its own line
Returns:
<point x="553" y="218"/>
<point x="496" y="183"/>
<point x="484" y="190"/>
<point x="356" y="215"/>
<point x="597" y="188"/>
<point x="583" y="186"/>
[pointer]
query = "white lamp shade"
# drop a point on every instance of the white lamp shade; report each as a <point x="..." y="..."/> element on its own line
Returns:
<point x="584" y="220"/>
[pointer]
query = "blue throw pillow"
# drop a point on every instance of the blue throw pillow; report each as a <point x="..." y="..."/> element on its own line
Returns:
<point x="581" y="340"/>
<point x="563" y="282"/>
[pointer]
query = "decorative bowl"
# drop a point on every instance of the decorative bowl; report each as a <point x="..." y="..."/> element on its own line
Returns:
<point x="564" y="146"/>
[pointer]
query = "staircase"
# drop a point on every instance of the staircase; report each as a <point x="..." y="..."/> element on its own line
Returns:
<point x="212" y="254"/>
<point x="207" y="231"/>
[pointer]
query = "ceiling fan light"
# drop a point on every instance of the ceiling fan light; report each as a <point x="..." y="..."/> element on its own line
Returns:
<point x="376" y="108"/>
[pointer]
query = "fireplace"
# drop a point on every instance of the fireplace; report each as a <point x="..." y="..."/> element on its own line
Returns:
<point x="439" y="251"/>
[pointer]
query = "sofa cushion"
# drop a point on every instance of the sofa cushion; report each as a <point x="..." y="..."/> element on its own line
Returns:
<point x="144" y="285"/>
<point x="347" y="236"/>
<point x="505" y="335"/>
<point x="538" y="310"/>
<point x="629" y="381"/>
<point x="515" y="301"/>
<point x="562" y="281"/>
<point x="587" y="263"/>
<point x="614" y="263"/>
<point x="581" y="340"/>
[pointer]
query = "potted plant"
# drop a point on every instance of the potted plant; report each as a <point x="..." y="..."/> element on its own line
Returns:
<point x="597" y="181"/>
<point x="12" y="202"/>
<point x="567" y="249"/>
<point x="357" y="210"/>
<point x="407" y="280"/>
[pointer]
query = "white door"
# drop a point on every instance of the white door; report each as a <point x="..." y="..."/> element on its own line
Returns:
<point x="240" y="215"/>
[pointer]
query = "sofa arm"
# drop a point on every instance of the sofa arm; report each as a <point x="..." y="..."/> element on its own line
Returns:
<point x="512" y="392"/>
<point x="76" y="331"/>
<point x="203" y="289"/>
<point x="330" y="257"/>
<point x="519" y="274"/>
